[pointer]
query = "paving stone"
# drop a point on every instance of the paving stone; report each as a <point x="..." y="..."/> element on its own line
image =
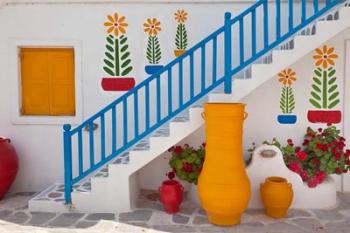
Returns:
<point x="187" y="208"/>
<point x="338" y="227"/>
<point x="297" y="213"/>
<point x="308" y="223"/>
<point x="66" y="219"/>
<point x="99" y="216"/>
<point x="213" y="229"/>
<point x="5" y="213"/>
<point x="180" y="219"/>
<point x="281" y="227"/>
<point x="85" y="224"/>
<point x="200" y="220"/>
<point x="345" y="213"/>
<point x="18" y="217"/>
<point x="343" y="201"/>
<point x="174" y="228"/>
<point x="144" y="204"/>
<point x="330" y="215"/>
<point x="137" y="215"/>
<point x="54" y="195"/>
<point x="253" y="224"/>
<point x="39" y="218"/>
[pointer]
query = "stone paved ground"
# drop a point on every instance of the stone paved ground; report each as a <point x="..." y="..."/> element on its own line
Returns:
<point x="150" y="217"/>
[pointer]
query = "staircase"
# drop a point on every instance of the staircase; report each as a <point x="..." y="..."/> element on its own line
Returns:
<point x="103" y="154"/>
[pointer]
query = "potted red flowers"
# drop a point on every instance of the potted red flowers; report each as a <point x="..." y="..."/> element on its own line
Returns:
<point x="171" y="194"/>
<point x="322" y="153"/>
<point x="187" y="164"/>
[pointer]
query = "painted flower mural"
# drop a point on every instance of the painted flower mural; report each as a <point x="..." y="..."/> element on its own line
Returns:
<point x="324" y="91"/>
<point x="287" y="103"/>
<point x="181" y="41"/>
<point x="117" y="57"/>
<point x="153" y="53"/>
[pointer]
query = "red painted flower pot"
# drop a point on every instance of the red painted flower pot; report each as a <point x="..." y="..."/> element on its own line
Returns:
<point x="118" y="83"/>
<point x="171" y="194"/>
<point x="324" y="116"/>
<point x="8" y="166"/>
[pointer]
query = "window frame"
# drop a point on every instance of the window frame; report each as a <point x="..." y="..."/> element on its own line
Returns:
<point x="15" y="82"/>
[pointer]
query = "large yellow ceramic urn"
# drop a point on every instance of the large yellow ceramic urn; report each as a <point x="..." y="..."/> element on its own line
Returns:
<point x="223" y="185"/>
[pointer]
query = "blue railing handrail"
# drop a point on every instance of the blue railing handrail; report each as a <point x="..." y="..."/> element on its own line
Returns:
<point x="226" y="78"/>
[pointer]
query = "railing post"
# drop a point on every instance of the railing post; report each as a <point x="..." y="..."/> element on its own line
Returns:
<point x="228" y="53"/>
<point x="67" y="141"/>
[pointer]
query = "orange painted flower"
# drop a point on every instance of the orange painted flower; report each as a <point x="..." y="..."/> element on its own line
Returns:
<point x="287" y="77"/>
<point x="116" y="24"/>
<point x="181" y="16"/>
<point x="325" y="56"/>
<point x="152" y="27"/>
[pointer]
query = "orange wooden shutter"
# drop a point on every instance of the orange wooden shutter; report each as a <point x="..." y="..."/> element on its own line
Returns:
<point x="47" y="81"/>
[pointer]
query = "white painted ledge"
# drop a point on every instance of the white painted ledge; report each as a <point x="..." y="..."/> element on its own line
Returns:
<point x="323" y="196"/>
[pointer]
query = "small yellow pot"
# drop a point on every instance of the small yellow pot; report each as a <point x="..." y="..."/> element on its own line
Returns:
<point x="277" y="195"/>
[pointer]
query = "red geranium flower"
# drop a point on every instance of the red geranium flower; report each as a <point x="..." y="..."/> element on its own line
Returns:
<point x="316" y="162"/>
<point x="312" y="183"/>
<point x="301" y="155"/>
<point x="171" y="175"/>
<point x="337" y="156"/>
<point x="303" y="175"/>
<point x="178" y="150"/>
<point x="186" y="167"/>
<point x="290" y="142"/>
<point x="338" y="170"/>
<point x="295" y="167"/>
<point x="320" y="175"/>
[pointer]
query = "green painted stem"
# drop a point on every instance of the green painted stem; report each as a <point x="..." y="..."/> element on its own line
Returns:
<point x="153" y="52"/>
<point x="325" y="87"/>
<point x="116" y="62"/>
<point x="287" y="100"/>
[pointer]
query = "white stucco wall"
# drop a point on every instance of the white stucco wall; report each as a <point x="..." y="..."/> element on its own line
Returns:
<point x="39" y="143"/>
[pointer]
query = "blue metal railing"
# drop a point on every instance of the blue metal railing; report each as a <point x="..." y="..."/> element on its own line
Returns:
<point x="134" y="115"/>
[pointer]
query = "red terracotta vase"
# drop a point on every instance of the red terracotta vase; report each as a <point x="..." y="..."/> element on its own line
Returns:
<point x="171" y="195"/>
<point x="324" y="116"/>
<point x="118" y="83"/>
<point x="8" y="166"/>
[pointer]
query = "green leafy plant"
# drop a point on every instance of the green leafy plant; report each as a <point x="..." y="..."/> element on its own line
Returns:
<point x="324" y="92"/>
<point x="153" y="50"/>
<point x="181" y="41"/>
<point x="117" y="57"/>
<point x="187" y="162"/>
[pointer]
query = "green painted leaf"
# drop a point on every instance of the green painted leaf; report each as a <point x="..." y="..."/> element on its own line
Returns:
<point x="333" y="104"/>
<point x="109" y="56"/>
<point x="332" y="80"/>
<point x="127" y="71"/>
<point x="110" y="40"/>
<point x="316" y="88"/>
<point x="110" y="48"/>
<point x="123" y="39"/>
<point x="318" y="72"/>
<point x="315" y="95"/>
<point x="109" y="64"/>
<point x="315" y="103"/>
<point x="317" y="81"/>
<point x="108" y="71"/>
<point x="333" y="96"/>
<point x="332" y="88"/>
<point x="125" y="55"/>
<point x="126" y="63"/>
<point x="124" y="48"/>
<point x="331" y="73"/>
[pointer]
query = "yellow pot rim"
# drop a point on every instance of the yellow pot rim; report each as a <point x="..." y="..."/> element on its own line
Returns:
<point x="276" y="180"/>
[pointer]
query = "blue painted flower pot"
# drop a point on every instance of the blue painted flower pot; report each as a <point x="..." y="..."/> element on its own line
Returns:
<point x="287" y="119"/>
<point x="152" y="69"/>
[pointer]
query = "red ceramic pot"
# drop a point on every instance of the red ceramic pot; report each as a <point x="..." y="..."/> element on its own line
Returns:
<point x="171" y="195"/>
<point x="324" y="116"/>
<point x="8" y="166"/>
<point x="118" y="83"/>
